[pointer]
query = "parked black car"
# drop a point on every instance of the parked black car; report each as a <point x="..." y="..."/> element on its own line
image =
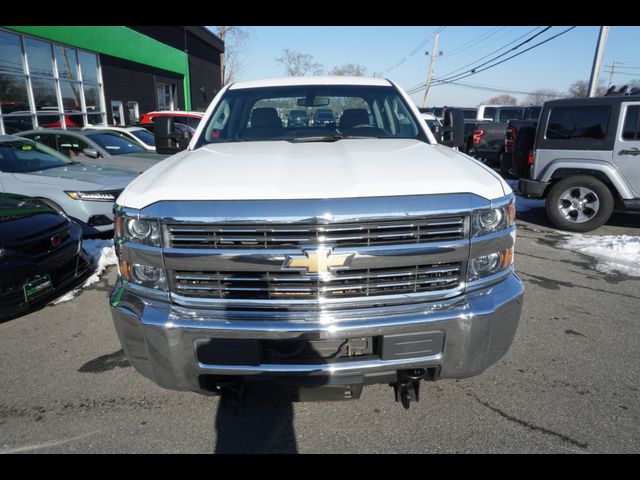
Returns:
<point x="40" y="255"/>
<point x="297" y="118"/>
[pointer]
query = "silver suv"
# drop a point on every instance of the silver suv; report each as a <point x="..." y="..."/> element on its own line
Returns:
<point x="586" y="160"/>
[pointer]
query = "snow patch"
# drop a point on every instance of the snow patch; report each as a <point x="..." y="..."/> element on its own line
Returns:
<point x="103" y="254"/>
<point x="614" y="253"/>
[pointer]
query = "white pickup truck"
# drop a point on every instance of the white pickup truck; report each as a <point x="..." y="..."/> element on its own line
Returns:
<point x="323" y="258"/>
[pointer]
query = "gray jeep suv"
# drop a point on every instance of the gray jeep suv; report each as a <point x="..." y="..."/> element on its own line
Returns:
<point x="586" y="160"/>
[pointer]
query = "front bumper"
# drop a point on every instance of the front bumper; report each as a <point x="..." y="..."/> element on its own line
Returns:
<point x="67" y="267"/>
<point x="532" y="188"/>
<point x="474" y="331"/>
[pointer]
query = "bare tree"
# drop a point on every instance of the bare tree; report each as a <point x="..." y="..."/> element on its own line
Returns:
<point x="235" y="39"/>
<point x="580" y="88"/>
<point x="502" y="100"/>
<point x="350" y="69"/>
<point x="298" y="64"/>
<point x="540" y="96"/>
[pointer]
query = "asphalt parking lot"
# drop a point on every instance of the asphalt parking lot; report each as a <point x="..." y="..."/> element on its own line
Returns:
<point x="569" y="384"/>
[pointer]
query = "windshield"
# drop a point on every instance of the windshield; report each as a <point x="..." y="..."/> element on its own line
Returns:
<point x="144" y="135"/>
<point x="510" y="114"/>
<point x="336" y="112"/>
<point x="24" y="156"/>
<point x="115" y="143"/>
<point x="469" y="113"/>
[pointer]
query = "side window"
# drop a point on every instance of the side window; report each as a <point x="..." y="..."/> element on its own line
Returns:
<point x="190" y="121"/>
<point x="71" y="146"/>
<point x="578" y="122"/>
<point x="43" y="138"/>
<point x="631" y="128"/>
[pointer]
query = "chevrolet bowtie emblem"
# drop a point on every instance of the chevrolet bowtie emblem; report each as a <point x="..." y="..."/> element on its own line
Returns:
<point x="318" y="261"/>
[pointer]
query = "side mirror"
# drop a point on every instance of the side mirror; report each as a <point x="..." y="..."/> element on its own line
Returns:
<point x="91" y="153"/>
<point x="453" y="128"/>
<point x="167" y="141"/>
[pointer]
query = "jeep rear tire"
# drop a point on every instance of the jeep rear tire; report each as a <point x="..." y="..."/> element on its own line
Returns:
<point x="579" y="204"/>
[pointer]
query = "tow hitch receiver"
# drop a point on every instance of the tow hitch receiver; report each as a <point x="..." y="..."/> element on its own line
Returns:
<point x="407" y="386"/>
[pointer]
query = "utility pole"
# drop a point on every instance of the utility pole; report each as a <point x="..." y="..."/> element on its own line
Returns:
<point x="433" y="59"/>
<point x="597" y="60"/>
<point x="613" y="70"/>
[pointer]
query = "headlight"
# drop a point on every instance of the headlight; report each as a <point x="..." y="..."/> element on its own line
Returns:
<point x="493" y="220"/>
<point x="131" y="229"/>
<point x="96" y="196"/>
<point x="486" y="265"/>
<point x="143" y="275"/>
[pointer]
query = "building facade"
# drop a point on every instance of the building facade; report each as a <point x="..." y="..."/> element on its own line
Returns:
<point x="75" y="76"/>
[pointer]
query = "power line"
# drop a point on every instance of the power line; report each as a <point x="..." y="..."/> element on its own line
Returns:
<point x="475" y="71"/>
<point x="415" y="50"/>
<point x="494" y="51"/>
<point x="491" y="88"/>
<point x="419" y="85"/>
<point x="474" y="41"/>
<point x="624" y="73"/>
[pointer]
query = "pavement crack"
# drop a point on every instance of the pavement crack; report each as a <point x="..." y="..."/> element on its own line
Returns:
<point x="552" y="284"/>
<point x="534" y="428"/>
<point x="573" y="332"/>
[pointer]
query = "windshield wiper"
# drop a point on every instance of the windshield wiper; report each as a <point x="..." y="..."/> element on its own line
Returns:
<point x="331" y="138"/>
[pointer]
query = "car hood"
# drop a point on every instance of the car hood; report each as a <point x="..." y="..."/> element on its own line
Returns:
<point x="21" y="217"/>
<point x="100" y="177"/>
<point x="286" y="170"/>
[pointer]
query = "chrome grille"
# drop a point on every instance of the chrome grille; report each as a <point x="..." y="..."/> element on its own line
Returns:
<point x="295" y="286"/>
<point x="275" y="236"/>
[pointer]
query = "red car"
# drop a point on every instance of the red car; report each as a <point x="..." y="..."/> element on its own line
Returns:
<point x="187" y="118"/>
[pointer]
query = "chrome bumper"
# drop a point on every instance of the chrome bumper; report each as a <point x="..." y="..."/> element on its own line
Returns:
<point x="160" y="339"/>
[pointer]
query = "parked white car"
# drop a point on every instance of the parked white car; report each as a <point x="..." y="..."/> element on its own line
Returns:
<point x="83" y="192"/>
<point x="141" y="135"/>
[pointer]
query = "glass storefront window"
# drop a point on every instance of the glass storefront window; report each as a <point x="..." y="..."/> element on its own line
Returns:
<point x="44" y="94"/>
<point x="89" y="66"/>
<point x="17" y="123"/>
<point x="70" y="95"/>
<point x="13" y="93"/>
<point x="11" y="59"/>
<point x="67" y="62"/>
<point x="49" y="121"/>
<point x="95" y="119"/>
<point x="40" y="85"/>
<point x="74" y="120"/>
<point x="92" y="98"/>
<point x="39" y="57"/>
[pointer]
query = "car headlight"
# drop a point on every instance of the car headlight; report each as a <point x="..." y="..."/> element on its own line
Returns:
<point x="137" y="230"/>
<point x="492" y="220"/>
<point x="143" y="275"/>
<point x="486" y="265"/>
<point x="95" y="196"/>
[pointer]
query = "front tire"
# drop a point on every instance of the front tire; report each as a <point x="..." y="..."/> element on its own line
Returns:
<point x="579" y="204"/>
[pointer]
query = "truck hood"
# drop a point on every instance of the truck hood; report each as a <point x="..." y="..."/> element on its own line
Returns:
<point x="99" y="178"/>
<point x="284" y="170"/>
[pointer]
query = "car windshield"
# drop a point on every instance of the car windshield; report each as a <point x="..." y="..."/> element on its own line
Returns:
<point x="469" y="113"/>
<point x="115" y="143"/>
<point x="145" y="136"/>
<point x="337" y="112"/>
<point x="510" y="114"/>
<point x="24" y="156"/>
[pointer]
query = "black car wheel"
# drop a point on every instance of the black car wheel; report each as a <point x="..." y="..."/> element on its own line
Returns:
<point x="579" y="204"/>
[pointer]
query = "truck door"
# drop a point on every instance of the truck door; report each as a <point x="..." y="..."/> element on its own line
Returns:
<point x="626" y="152"/>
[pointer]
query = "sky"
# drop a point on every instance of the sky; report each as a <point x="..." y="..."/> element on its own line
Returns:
<point x="398" y="53"/>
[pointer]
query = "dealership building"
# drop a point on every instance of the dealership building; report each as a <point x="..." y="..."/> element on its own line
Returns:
<point x="74" y="76"/>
